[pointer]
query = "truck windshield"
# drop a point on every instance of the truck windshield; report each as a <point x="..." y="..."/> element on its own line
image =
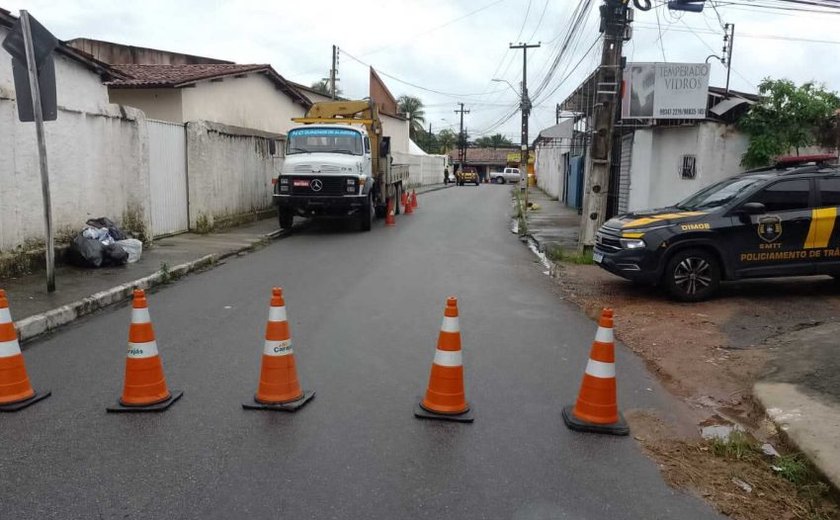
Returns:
<point x="324" y="140"/>
<point x="718" y="194"/>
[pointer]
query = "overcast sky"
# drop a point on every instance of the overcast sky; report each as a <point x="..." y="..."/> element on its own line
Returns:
<point x="452" y="48"/>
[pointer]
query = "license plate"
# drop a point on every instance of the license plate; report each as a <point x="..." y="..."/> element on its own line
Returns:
<point x="597" y="258"/>
<point x="301" y="183"/>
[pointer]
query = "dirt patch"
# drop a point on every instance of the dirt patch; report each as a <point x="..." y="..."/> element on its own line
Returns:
<point x="738" y="479"/>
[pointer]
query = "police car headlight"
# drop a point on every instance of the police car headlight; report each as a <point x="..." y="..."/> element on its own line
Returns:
<point x="632" y="243"/>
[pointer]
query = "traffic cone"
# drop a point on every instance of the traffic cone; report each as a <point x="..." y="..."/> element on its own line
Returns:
<point x="279" y="388"/>
<point x="16" y="393"/>
<point x="413" y="199"/>
<point x="145" y="387"/>
<point x="409" y="207"/>
<point x="389" y="218"/>
<point x="596" y="409"/>
<point x="403" y="198"/>
<point x="445" y="398"/>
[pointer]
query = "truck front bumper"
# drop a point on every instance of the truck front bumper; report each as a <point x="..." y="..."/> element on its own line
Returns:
<point x="321" y="205"/>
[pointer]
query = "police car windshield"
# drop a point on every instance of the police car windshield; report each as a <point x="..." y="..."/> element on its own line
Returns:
<point x="718" y="194"/>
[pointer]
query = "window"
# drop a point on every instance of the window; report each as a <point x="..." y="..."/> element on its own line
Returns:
<point x="367" y="145"/>
<point x="785" y="195"/>
<point x="324" y="140"/>
<point x="830" y="191"/>
<point x="718" y="194"/>
<point x="688" y="170"/>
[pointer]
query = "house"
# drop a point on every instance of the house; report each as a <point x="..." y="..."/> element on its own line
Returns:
<point x="109" y="52"/>
<point x="96" y="152"/>
<point x="487" y="160"/>
<point x="394" y="124"/>
<point x="655" y="162"/>
<point x="552" y="148"/>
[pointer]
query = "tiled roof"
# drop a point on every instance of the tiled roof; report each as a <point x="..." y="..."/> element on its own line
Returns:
<point x="176" y="76"/>
<point x="149" y="76"/>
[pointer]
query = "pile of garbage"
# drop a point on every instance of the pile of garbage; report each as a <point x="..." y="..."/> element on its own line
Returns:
<point x="103" y="244"/>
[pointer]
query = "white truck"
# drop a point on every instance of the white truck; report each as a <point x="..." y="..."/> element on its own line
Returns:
<point x="338" y="164"/>
<point x="508" y="175"/>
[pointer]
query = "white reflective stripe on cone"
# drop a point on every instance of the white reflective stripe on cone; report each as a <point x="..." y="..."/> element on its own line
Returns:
<point x="604" y="335"/>
<point x="5" y="315"/>
<point x="450" y="324"/>
<point x="277" y="314"/>
<point x="140" y="316"/>
<point x="278" y="348"/>
<point x="600" y="369"/>
<point x="142" y="350"/>
<point x="9" y="348"/>
<point x="448" y="358"/>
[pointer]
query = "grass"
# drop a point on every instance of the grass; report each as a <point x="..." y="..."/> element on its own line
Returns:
<point x="737" y="446"/>
<point x="165" y="273"/>
<point x="557" y="254"/>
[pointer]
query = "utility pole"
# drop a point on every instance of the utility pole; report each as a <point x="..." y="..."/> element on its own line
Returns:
<point x="557" y="114"/>
<point x="728" y="41"/>
<point x="462" y="141"/>
<point x="525" y="108"/>
<point x="334" y="71"/>
<point x="614" y="24"/>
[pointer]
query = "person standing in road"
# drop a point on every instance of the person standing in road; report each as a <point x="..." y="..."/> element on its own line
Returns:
<point x="446" y="175"/>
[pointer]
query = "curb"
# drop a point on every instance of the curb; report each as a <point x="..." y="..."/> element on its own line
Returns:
<point x="38" y="324"/>
<point x="438" y="188"/>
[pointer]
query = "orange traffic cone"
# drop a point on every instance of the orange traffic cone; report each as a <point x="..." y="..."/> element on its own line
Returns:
<point x="145" y="387"/>
<point x="409" y="207"/>
<point x="403" y="198"/>
<point x="389" y="218"/>
<point x="596" y="410"/>
<point x="445" y="398"/>
<point x="413" y="199"/>
<point x="279" y="388"/>
<point x="16" y="393"/>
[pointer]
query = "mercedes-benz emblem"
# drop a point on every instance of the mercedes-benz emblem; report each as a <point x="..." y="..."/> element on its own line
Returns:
<point x="316" y="185"/>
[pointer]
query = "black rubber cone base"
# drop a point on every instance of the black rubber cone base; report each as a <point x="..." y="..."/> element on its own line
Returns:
<point x="285" y="407"/>
<point x="157" y="407"/>
<point x="422" y="413"/>
<point x="20" y="405"/>
<point x="617" y="428"/>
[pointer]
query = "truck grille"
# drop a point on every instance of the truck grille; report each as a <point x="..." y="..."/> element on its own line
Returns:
<point x="329" y="186"/>
<point x="316" y="168"/>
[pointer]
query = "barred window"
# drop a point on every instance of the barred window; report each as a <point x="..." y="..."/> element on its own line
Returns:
<point x="688" y="167"/>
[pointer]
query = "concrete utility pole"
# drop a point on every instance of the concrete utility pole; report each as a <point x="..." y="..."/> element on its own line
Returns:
<point x="334" y="71"/>
<point x="614" y="21"/>
<point x="525" y="108"/>
<point x="728" y="41"/>
<point x="462" y="141"/>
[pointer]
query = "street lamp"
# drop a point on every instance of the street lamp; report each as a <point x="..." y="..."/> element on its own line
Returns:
<point x="497" y="80"/>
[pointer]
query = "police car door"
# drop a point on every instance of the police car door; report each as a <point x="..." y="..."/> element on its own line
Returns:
<point x="776" y="242"/>
<point x="826" y="250"/>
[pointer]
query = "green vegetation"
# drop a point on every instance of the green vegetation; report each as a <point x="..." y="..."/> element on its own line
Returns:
<point x="203" y="225"/>
<point x="736" y="446"/>
<point x="557" y="254"/>
<point x="412" y="107"/>
<point x="788" y="118"/>
<point x="493" y="141"/>
<point x="165" y="273"/>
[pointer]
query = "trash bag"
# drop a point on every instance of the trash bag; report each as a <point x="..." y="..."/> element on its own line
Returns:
<point x="133" y="247"/>
<point x="86" y="252"/>
<point x="101" y="234"/>
<point x="104" y="222"/>
<point x="114" y="255"/>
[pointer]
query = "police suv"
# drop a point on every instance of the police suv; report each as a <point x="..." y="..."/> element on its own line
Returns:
<point x="776" y="221"/>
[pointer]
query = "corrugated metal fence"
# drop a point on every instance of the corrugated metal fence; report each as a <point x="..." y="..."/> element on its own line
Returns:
<point x="168" y="178"/>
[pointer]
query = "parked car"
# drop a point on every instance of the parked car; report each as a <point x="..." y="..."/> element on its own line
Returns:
<point x="508" y="175"/>
<point x="468" y="174"/>
<point x="776" y="221"/>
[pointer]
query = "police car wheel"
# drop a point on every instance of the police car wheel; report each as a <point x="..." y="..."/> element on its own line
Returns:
<point x="692" y="275"/>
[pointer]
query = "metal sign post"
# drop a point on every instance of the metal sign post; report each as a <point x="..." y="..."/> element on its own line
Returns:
<point x="42" y="145"/>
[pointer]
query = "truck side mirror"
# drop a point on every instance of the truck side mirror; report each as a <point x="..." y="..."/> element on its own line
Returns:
<point x="385" y="147"/>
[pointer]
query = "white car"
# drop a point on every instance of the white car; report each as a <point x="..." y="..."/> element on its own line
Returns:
<point x="506" y="176"/>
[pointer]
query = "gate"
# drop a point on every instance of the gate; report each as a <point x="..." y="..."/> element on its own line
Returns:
<point x="574" y="186"/>
<point x="168" y="178"/>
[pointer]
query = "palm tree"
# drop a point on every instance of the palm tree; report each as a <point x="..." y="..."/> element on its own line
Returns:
<point x="413" y="108"/>
<point x="322" y="86"/>
<point x="446" y="140"/>
<point x="493" y="141"/>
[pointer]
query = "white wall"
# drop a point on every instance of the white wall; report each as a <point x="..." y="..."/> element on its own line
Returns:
<point x="97" y="159"/>
<point x="422" y="169"/>
<point x="249" y="102"/>
<point x="657" y="156"/>
<point x="397" y="129"/>
<point x="157" y="103"/>
<point x="229" y="172"/>
<point x="550" y="166"/>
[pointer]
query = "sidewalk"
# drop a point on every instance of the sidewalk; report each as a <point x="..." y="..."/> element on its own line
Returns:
<point x="553" y="225"/>
<point x="81" y="291"/>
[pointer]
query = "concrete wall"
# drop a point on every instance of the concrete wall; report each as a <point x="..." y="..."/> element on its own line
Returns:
<point x="157" y="103"/>
<point x="229" y="173"/>
<point x="118" y="54"/>
<point x="422" y="169"/>
<point x="397" y="129"/>
<point x="252" y="101"/>
<point x="550" y="166"/>
<point x="98" y="161"/>
<point x="655" y="179"/>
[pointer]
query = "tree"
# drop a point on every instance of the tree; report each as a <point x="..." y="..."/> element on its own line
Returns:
<point x="446" y="140"/>
<point x="413" y="108"/>
<point x="493" y="141"/>
<point x="787" y="118"/>
<point x="323" y="87"/>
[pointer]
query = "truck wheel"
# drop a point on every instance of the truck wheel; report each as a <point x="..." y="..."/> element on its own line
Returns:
<point x="692" y="275"/>
<point x="286" y="219"/>
<point x="500" y="180"/>
<point x="367" y="214"/>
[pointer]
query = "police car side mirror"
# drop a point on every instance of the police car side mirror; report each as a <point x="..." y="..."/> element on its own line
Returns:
<point x="753" y="208"/>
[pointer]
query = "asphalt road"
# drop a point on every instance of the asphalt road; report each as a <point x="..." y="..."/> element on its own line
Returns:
<point x="365" y="310"/>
